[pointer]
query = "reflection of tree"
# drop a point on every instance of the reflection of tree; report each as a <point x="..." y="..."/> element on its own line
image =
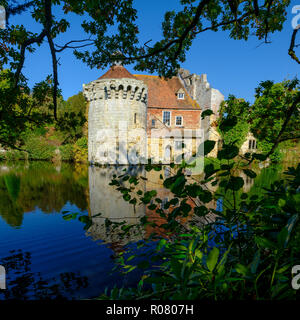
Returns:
<point x="23" y="284"/>
<point x="41" y="185"/>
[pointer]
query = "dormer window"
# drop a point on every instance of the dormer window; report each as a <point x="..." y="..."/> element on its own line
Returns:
<point x="180" y="95"/>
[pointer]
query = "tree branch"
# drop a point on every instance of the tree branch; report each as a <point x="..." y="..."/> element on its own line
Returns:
<point x="292" y="45"/>
<point x="66" y="46"/>
<point x="24" y="45"/>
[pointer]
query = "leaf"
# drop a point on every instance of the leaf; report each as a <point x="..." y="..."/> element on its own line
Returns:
<point x="126" y="197"/>
<point x="208" y="146"/>
<point x="68" y="217"/>
<point x="152" y="206"/>
<point x="250" y="173"/>
<point x="284" y="234"/>
<point x="228" y="152"/>
<point x="259" y="156"/>
<point x="255" y="262"/>
<point x="200" y="211"/>
<point x="235" y="183"/>
<point x="212" y="259"/>
<point x="205" y="196"/>
<point x="206" y="113"/>
<point x="223" y="260"/>
<point x="264" y="243"/>
<point x="241" y="269"/>
<point x="228" y="123"/>
<point x="209" y="170"/>
<point x="133" y="201"/>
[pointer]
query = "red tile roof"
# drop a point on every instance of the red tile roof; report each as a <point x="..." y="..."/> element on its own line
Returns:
<point x="162" y="93"/>
<point x="117" y="72"/>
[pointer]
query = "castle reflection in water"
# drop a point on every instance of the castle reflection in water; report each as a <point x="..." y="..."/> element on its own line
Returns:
<point x="106" y="202"/>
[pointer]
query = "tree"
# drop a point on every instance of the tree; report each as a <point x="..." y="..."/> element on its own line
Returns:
<point x="274" y="104"/>
<point x="272" y="118"/>
<point x="234" y="111"/>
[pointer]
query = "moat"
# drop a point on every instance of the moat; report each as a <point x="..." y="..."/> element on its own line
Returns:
<point x="48" y="256"/>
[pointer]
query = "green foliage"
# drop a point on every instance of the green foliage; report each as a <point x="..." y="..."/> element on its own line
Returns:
<point x="80" y="150"/>
<point x="233" y="122"/>
<point x="38" y="148"/>
<point x="264" y="147"/>
<point x="71" y="115"/>
<point x="66" y="152"/>
<point x="82" y="143"/>
<point x="268" y="113"/>
<point x="18" y="108"/>
<point x="266" y="118"/>
<point x="13" y="155"/>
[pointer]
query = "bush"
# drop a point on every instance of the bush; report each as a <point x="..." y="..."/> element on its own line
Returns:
<point x="82" y="143"/>
<point x="39" y="149"/>
<point x="66" y="152"/>
<point x="13" y="155"/>
<point x="80" y="150"/>
<point x="265" y="147"/>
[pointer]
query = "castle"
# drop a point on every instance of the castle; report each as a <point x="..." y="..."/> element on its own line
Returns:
<point x="147" y="116"/>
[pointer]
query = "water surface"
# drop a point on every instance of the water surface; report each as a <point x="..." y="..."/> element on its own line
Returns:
<point x="46" y="256"/>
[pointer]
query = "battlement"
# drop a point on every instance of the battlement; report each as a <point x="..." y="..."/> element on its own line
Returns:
<point x="106" y="89"/>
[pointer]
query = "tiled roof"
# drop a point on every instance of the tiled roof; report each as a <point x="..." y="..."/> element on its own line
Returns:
<point x="162" y="93"/>
<point x="117" y="72"/>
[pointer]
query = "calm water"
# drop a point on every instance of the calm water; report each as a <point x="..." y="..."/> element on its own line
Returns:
<point x="48" y="257"/>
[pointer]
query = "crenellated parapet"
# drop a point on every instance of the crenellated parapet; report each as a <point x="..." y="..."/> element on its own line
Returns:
<point x="126" y="89"/>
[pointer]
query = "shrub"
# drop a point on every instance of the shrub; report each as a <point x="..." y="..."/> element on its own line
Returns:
<point x="12" y="155"/>
<point x="82" y="143"/>
<point x="80" y="150"/>
<point x="39" y="149"/>
<point x="66" y="152"/>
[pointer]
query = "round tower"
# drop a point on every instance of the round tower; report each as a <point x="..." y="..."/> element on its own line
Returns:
<point x="117" y="118"/>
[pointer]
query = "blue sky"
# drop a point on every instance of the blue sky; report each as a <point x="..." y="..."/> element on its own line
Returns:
<point x="233" y="67"/>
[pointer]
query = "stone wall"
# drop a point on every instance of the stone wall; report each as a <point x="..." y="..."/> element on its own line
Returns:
<point x="208" y="98"/>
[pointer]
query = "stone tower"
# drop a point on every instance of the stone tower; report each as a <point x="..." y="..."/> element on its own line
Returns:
<point x="208" y="98"/>
<point x="117" y="118"/>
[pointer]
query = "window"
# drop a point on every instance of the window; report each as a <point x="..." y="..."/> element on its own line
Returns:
<point x="178" y="120"/>
<point x="178" y="145"/>
<point x="180" y="95"/>
<point x="135" y="118"/>
<point x="167" y="118"/>
<point x="252" y="144"/>
<point x="153" y="123"/>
